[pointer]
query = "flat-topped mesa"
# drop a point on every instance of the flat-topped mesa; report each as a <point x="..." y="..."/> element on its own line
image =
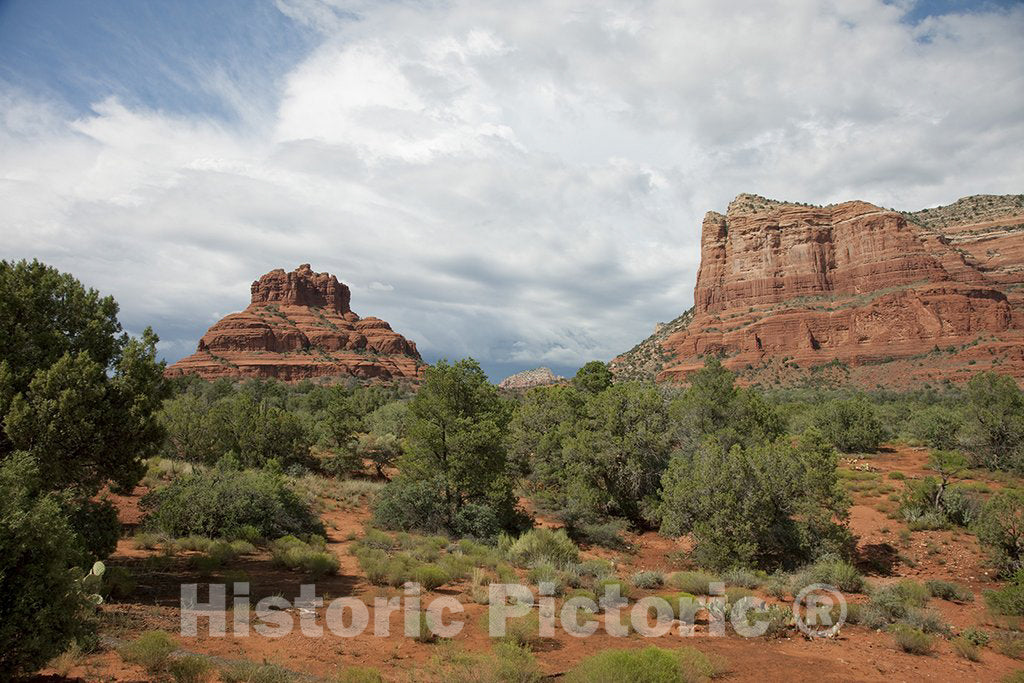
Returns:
<point x="301" y="287"/>
<point x="299" y="325"/>
<point x="855" y="283"/>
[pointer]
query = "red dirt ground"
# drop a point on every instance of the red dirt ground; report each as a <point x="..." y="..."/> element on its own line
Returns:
<point x="857" y="654"/>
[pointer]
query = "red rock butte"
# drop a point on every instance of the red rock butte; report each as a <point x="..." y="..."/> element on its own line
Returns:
<point x="889" y="298"/>
<point x="299" y="326"/>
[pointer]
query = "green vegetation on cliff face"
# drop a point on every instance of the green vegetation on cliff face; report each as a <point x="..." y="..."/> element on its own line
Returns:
<point x="646" y="359"/>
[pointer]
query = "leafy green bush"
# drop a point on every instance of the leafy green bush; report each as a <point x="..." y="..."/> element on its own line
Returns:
<point x="1000" y="529"/>
<point x="151" y="651"/>
<point x="42" y="605"/>
<point x="935" y="426"/>
<point x="542" y="544"/>
<point x="95" y="523"/>
<point x="455" y="475"/>
<point x="1008" y="600"/>
<point x="221" y="503"/>
<point x="852" y="426"/>
<point x="649" y="665"/>
<point x="764" y="506"/>
<point x="912" y="640"/>
<point x="949" y="590"/>
<point x="993" y="429"/>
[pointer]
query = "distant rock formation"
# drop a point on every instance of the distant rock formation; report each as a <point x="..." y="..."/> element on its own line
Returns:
<point x="538" y="377"/>
<point x="896" y="298"/>
<point x="298" y="326"/>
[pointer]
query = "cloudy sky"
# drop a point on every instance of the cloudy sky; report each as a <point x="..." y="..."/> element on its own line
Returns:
<point x="521" y="182"/>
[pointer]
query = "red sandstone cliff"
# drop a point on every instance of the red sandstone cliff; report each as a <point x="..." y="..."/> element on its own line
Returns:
<point x="299" y="326"/>
<point x="897" y="298"/>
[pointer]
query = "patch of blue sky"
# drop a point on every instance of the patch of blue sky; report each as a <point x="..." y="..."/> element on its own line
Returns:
<point x="190" y="57"/>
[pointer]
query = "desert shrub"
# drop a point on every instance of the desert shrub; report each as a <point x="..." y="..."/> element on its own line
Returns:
<point x="832" y="571"/>
<point x="220" y="503"/>
<point x="765" y="506"/>
<point x="374" y="564"/>
<point x="358" y="674"/>
<point x="294" y="553"/>
<point x="777" y="586"/>
<point x="42" y="606"/>
<point x="1009" y="644"/>
<point x="424" y="634"/>
<point x="949" y="590"/>
<point x="117" y="583"/>
<point x="190" y="669"/>
<point x="966" y="649"/>
<point x="696" y="583"/>
<point x="151" y="650"/>
<point x="400" y="570"/>
<point x="541" y="544"/>
<point x="852" y="425"/>
<point x="542" y="571"/>
<point x="456" y="566"/>
<point x="911" y="640"/>
<point x="194" y="542"/>
<point x="607" y="534"/>
<point x="1000" y="529"/>
<point x="375" y="538"/>
<point x="430" y="576"/>
<point x="522" y="631"/>
<point x="897" y="475"/>
<point x="649" y="665"/>
<point x="900" y="603"/>
<point x="779" y="619"/>
<point x="250" y="672"/>
<point x="241" y="547"/>
<point x="63" y="663"/>
<point x="595" y="568"/>
<point x="144" y="540"/>
<point x="926" y="620"/>
<point x="909" y="592"/>
<point x="608" y="584"/>
<point x="743" y="578"/>
<point x="734" y="594"/>
<point x="976" y="636"/>
<point x="507" y="663"/>
<point x="1008" y="600"/>
<point x="648" y="579"/>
